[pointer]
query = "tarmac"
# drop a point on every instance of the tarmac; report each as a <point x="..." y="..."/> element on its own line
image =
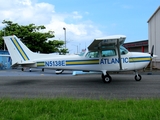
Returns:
<point x="38" y="84"/>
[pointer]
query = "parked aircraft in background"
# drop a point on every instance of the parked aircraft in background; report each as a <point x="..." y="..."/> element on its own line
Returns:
<point x="104" y="55"/>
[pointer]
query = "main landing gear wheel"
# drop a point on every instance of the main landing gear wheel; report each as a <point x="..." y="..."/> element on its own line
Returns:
<point x="106" y="78"/>
<point x="138" y="77"/>
<point x="59" y="71"/>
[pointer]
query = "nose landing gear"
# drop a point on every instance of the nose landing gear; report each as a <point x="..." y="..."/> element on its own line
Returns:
<point x="106" y="78"/>
<point x="137" y="77"/>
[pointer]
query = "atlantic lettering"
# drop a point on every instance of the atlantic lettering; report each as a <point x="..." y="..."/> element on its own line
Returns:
<point x="113" y="60"/>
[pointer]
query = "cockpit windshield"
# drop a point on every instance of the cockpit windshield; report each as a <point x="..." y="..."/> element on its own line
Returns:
<point x="123" y="50"/>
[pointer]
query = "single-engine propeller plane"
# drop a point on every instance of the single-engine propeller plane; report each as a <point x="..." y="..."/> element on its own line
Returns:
<point x="104" y="55"/>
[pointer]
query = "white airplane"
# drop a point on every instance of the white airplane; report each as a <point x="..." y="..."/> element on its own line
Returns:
<point x="104" y="55"/>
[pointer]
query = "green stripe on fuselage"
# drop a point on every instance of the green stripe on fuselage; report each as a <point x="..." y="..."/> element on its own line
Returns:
<point x="40" y="64"/>
<point x="139" y="59"/>
<point x="82" y="62"/>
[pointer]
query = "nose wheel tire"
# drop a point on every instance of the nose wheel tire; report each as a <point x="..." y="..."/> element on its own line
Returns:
<point x="106" y="78"/>
<point x="138" y="77"/>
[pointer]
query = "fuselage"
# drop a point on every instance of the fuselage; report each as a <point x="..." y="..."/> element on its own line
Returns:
<point x="97" y="61"/>
<point x="105" y="54"/>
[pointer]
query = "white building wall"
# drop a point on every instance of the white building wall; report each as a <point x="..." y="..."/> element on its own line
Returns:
<point x="154" y="35"/>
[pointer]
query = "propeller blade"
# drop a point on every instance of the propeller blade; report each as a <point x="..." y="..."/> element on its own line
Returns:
<point x="152" y="50"/>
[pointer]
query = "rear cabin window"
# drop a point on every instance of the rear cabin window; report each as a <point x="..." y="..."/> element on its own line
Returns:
<point x="94" y="54"/>
<point x="107" y="53"/>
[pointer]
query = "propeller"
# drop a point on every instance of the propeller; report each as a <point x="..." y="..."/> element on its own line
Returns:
<point x="152" y="50"/>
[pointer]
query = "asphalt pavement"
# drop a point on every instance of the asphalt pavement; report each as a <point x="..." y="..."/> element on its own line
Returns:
<point x="38" y="84"/>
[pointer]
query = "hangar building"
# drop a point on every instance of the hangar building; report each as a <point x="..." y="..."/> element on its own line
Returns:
<point x="138" y="46"/>
<point x="154" y="35"/>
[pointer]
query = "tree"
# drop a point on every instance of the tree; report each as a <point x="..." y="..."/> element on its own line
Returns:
<point x="33" y="37"/>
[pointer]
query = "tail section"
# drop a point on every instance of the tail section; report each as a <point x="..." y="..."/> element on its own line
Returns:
<point x="18" y="51"/>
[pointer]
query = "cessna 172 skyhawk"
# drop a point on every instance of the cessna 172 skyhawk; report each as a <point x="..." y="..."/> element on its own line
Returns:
<point x="104" y="55"/>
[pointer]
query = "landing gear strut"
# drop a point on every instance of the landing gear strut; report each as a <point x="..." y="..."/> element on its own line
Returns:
<point x="106" y="78"/>
<point x="137" y="77"/>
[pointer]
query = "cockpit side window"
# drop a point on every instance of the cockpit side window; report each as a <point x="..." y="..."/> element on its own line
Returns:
<point x="107" y="53"/>
<point x="123" y="50"/>
<point x="92" y="54"/>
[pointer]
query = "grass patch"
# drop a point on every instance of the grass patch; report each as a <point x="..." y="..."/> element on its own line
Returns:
<point x="79" y="109"/>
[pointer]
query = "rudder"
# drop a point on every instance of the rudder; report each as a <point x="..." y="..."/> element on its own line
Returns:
<point x="18" y="51"/>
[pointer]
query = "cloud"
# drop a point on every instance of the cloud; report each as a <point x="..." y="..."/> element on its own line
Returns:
<point x="76" y="15"/>
<point x="25" y="12"/>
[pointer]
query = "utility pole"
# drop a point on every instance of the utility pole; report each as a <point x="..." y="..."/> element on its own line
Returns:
<point x="64" y="36"/>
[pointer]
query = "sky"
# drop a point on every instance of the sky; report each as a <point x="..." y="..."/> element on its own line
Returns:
<point x="84" y="20"/>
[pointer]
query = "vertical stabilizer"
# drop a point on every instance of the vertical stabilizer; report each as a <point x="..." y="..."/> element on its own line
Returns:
<point x="18" y="51"/>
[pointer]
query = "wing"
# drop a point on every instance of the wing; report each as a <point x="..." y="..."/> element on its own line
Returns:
<point x="106" y="42"/>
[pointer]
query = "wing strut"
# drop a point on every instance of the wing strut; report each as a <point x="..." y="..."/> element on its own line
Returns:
<point x="119" y="55"/>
